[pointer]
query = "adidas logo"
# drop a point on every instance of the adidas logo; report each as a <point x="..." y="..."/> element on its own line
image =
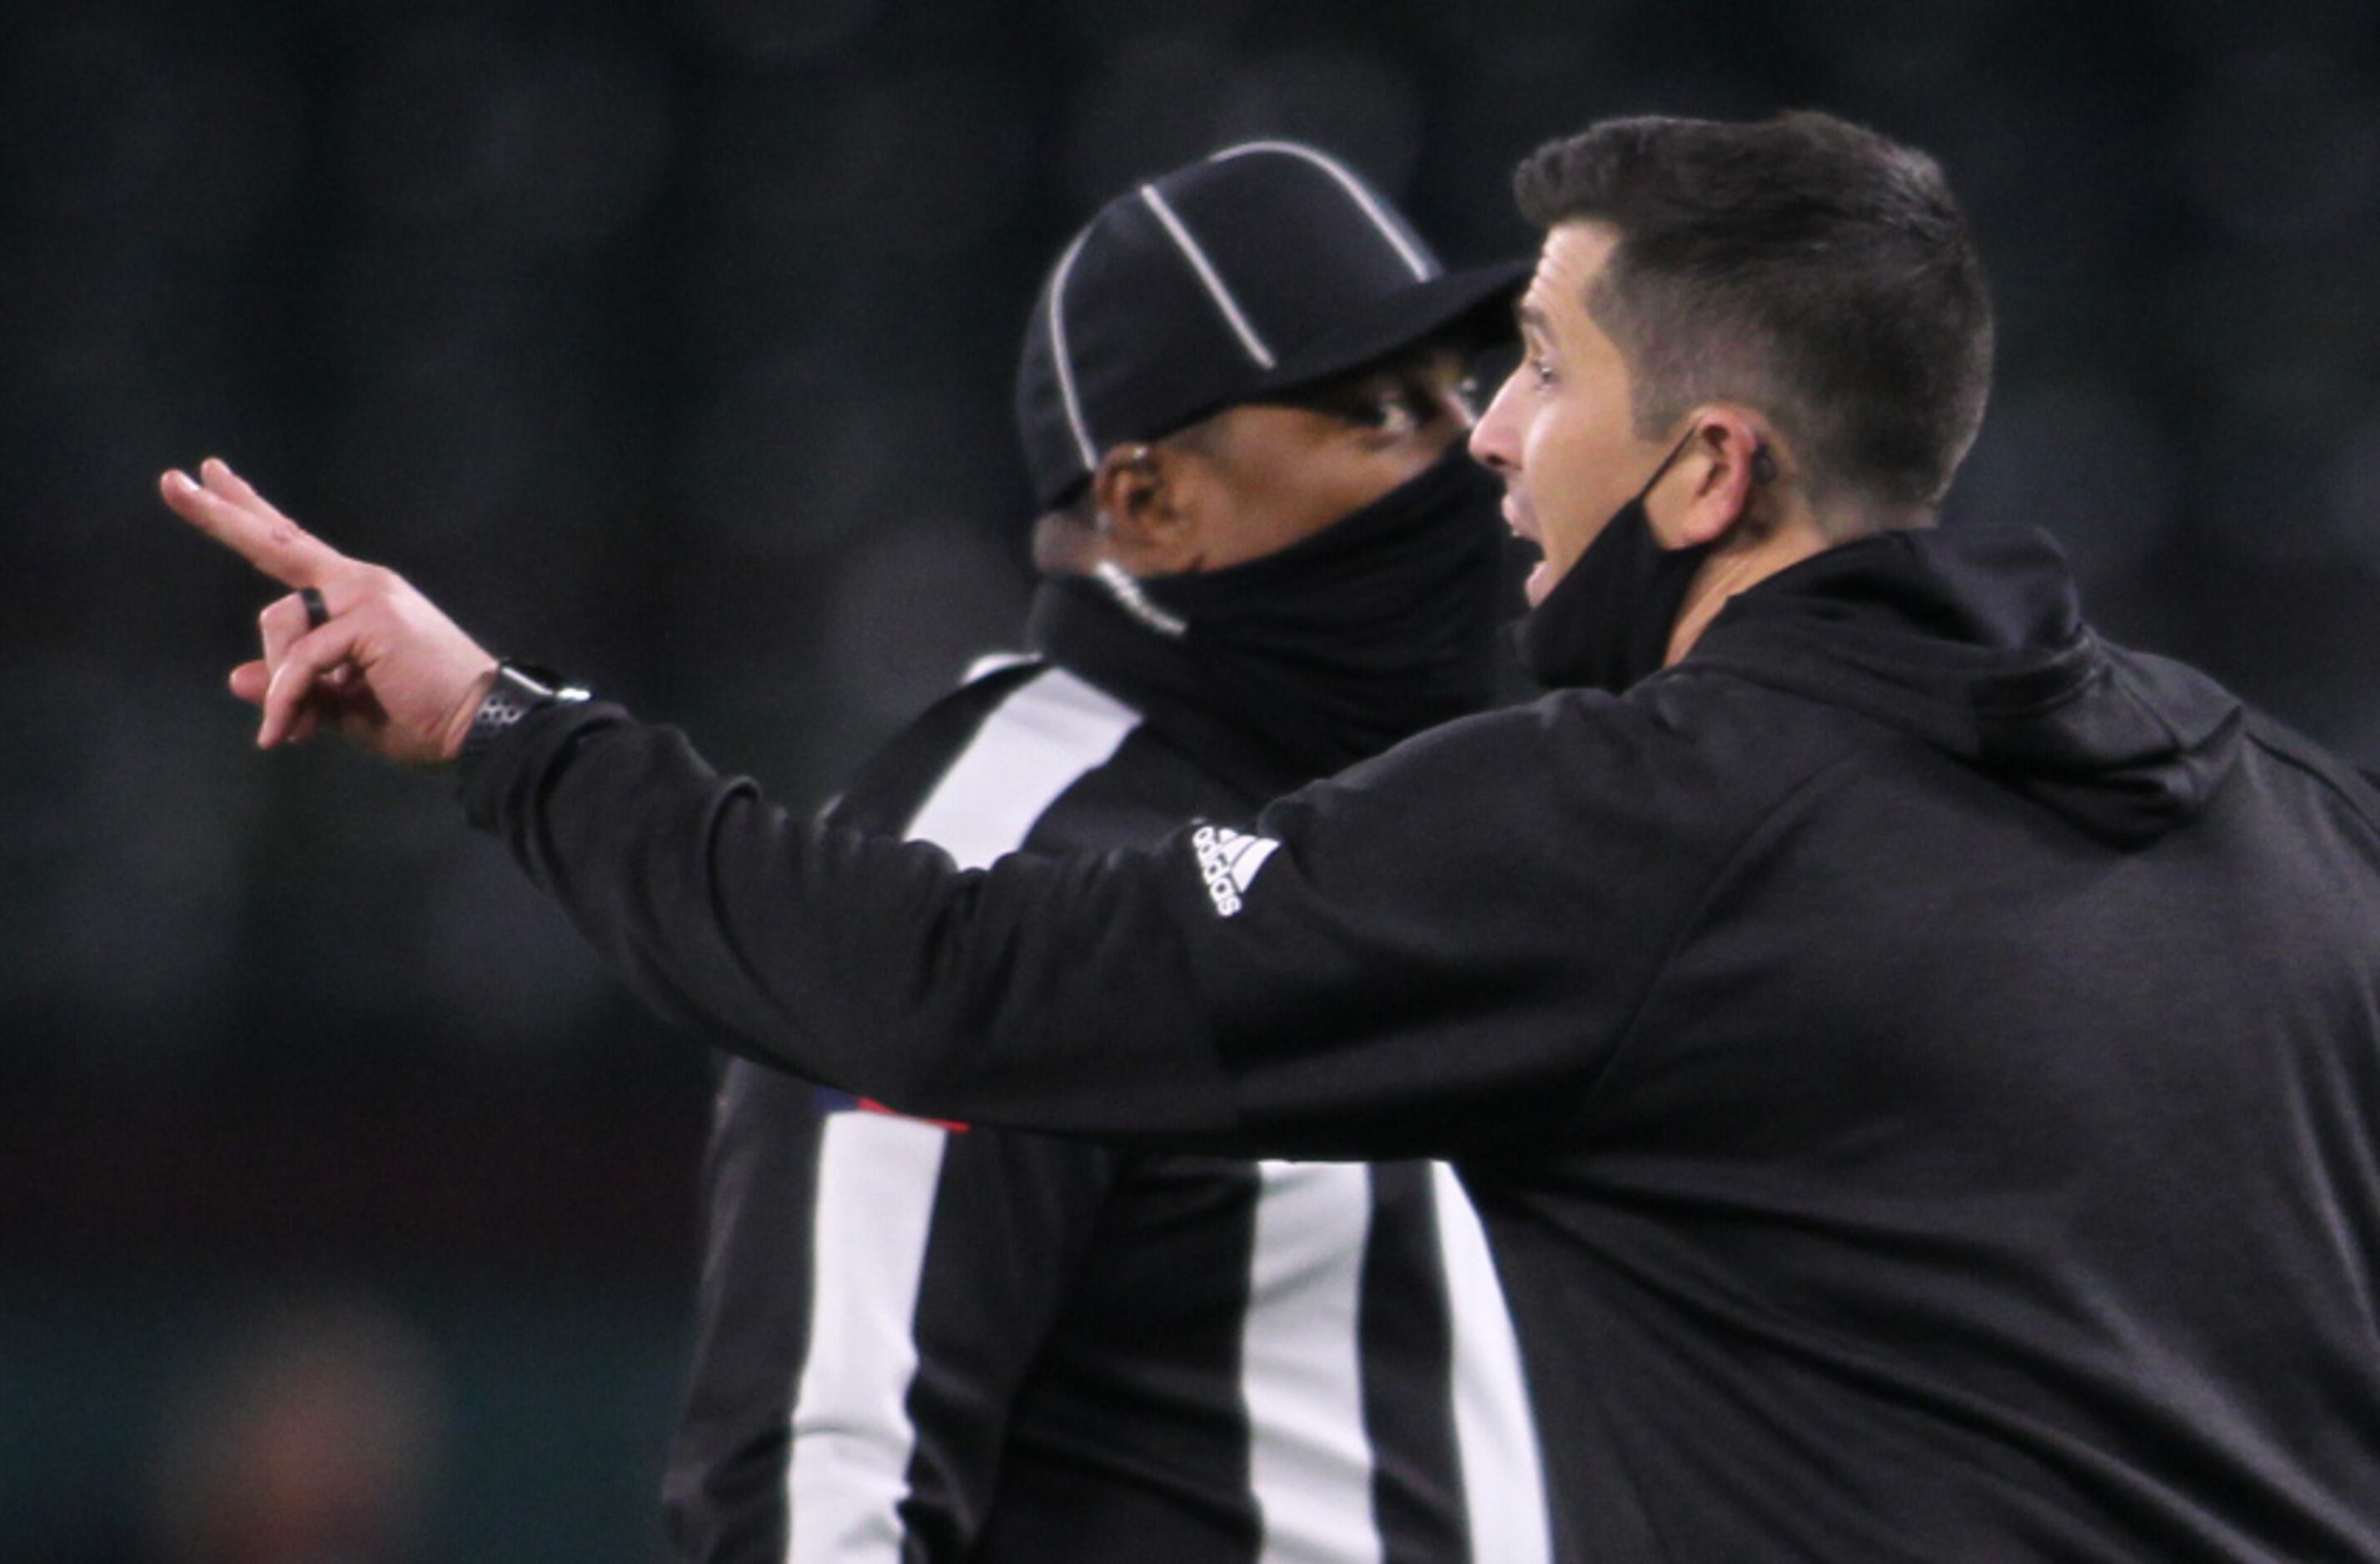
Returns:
<point x="1228" y="860"/>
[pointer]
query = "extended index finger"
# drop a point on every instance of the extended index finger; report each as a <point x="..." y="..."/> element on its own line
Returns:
<point x="261" y="534"/>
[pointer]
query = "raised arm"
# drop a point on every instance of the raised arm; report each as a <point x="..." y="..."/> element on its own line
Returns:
<point x="1324" y="989"/>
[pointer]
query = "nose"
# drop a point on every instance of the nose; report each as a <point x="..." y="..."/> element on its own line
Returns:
<point x="1495" y="439"/>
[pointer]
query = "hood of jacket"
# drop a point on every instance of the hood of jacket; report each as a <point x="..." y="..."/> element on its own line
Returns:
<point x="1972" y="639"/>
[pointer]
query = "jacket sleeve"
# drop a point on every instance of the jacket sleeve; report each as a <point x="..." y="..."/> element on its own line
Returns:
<point x="1412" y="970"/>
<point x="1032" y="994"/>
<point x="874" y="1291"/>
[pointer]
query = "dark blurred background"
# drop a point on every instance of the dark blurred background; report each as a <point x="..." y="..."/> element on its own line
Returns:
<point x="345" y="1208"/>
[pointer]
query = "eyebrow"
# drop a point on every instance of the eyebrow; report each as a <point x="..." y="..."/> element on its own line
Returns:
<point x="1530" y="318"/>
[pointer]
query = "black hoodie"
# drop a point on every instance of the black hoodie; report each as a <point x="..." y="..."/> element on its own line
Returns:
<point x="1916" y="1062"/>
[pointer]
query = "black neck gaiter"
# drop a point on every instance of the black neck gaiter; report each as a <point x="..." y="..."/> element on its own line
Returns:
<point x="1337" y="647"/>
<point x="1607" y="624"/>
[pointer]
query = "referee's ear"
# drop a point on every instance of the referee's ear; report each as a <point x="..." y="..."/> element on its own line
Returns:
<point x="1144" y="499"/>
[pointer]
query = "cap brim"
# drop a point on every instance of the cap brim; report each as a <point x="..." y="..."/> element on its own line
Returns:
<point x="1478" y="299"/>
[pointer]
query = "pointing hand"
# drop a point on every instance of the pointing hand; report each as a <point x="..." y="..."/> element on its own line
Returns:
<point x="380" y="664"/>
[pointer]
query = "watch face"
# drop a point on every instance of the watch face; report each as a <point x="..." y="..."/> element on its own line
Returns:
<point x="518" y="690"/>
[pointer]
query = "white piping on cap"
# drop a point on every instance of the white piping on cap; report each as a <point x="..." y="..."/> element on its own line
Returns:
<point x="1066" y="395"/>
<point x="1205" y="270"/>
<point x="1390" y="229"/>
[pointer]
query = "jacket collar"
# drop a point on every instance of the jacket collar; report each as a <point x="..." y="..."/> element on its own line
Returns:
<point x="1973" y="640"/>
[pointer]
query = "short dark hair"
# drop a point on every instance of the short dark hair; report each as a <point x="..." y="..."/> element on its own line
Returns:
<point x="1803" y="265"/>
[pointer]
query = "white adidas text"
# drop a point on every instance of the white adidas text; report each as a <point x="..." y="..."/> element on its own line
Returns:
<point x="1228" y="860"/>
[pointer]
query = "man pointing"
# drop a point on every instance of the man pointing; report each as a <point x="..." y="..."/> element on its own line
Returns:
<point x="1914" y="1060"/>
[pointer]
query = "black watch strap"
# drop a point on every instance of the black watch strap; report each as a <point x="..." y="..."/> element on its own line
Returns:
<point x="520" y="689"/>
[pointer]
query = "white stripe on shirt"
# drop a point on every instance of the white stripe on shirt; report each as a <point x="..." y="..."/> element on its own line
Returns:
<point x="1503" y="1483"/>
<point x="1035" y="745"/>
<point x="852" y="1435"/>
<point x="1301" y="1369"/>
<point x="879" y="1174"/>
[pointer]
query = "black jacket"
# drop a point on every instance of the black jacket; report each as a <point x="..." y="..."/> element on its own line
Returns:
<point x="1917" y="1062"/>
<point x="937" y="1341"/>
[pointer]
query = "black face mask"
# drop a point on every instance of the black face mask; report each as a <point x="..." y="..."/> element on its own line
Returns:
<point x="1335" y="648"/>
<point x="1607" y="624"/>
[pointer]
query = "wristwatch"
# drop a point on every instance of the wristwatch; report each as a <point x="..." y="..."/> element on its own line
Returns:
<point x="520" y="689"/>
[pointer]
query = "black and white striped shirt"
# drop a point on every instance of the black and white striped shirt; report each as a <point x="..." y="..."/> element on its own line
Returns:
<point x="922" y="1341"/>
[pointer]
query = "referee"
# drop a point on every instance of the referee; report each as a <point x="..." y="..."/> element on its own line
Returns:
<point x="1915" y="1059"/>
<point x="1266" y="558"/>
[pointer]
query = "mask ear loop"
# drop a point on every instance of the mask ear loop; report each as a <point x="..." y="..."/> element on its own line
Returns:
<point x="1763" y="465"/>
<point x="1667" y="462"/>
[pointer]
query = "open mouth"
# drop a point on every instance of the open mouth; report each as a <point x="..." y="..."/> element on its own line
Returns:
<point x="1540" y="580"/>
<point x="1517" y="518"/>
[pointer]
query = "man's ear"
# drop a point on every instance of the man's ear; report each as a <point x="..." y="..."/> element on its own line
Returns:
<point x="1729" y="461"/>
<point x="1145" y="496"/>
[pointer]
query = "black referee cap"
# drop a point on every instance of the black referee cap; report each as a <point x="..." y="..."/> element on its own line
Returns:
<point x="1261" y="269"/>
